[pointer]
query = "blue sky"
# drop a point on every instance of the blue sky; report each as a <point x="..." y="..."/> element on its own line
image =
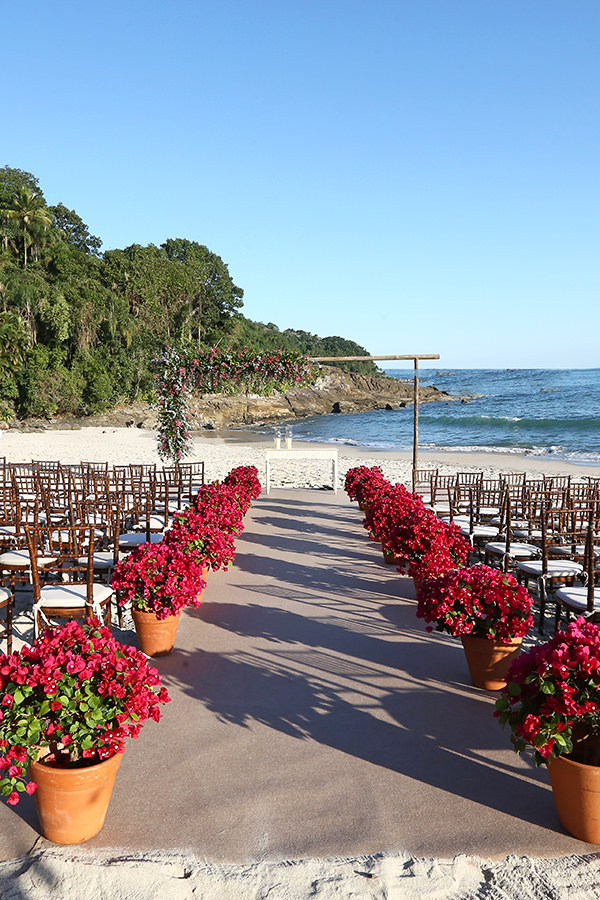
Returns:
<point x="420" y="176"/>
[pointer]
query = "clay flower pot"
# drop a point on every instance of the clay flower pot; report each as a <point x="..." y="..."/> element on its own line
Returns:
<point x="576" y="789"/>
<point x="156" y="637"/>
<point x="489" y="661"/>
<point x="71" y="803"/>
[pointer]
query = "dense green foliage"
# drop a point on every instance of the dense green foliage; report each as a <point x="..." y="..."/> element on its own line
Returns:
<point x="79" y="329"/>
<point x="264" y="338"/>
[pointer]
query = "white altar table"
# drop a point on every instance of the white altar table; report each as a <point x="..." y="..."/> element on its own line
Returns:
<point x="302" y="453"/>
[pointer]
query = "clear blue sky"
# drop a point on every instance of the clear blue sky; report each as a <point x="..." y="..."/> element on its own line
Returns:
<point x="421" y="176"/>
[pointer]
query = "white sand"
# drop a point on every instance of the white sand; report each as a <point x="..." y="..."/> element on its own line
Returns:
<point x="58" y="874"/>
<point x="49" y="872"/>
<point x="119" y="446"/>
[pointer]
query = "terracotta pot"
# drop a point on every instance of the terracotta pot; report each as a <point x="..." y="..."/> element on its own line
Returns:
<point x="576" y="789"/>
<point x="204" y="574"/>
<point x="417" y="583"/>
<point x="391" y="558"/>
<point x="156" y="637"/>
<point x="72" y="803"/>
<point x="489" y="661"/>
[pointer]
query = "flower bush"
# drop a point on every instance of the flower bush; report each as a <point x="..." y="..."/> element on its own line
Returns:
<point x="77" y="693"/>
<point x="552" y="698"/>
<point x="160" y="578"/>
<point x="243" y="480"/>
<point x="167" y="576"/>
<point x="407" y="530"/>
<point x="386" y="509"/>
<point x="413" y="533"/>
<point x="431" y="547"/>
<point x="370" y="487"/>
<point x="477" y="600"/>
<point x="221" y="505"/>
<point x="355" y="478"/>
<point x="206" y="543"/>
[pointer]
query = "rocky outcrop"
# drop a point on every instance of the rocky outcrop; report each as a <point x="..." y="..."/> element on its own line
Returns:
<point x="335" y="391"/>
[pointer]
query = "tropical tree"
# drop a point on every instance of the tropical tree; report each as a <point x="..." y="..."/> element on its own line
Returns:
<point x="73" y="229"/>
<point x="13" y="341"/>
<point x="28" y="209"/>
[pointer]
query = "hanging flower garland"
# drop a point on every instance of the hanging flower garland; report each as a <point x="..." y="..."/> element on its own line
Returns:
<point x="215" y="371"/>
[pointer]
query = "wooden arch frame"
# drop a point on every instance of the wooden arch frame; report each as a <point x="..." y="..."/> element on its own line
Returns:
<point x="415" y="358"/>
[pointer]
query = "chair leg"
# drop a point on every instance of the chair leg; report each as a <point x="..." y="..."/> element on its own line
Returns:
<point x="9" y="624"/>
<point x="542" y="596"/>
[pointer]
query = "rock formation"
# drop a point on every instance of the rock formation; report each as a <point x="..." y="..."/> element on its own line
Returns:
<point x="335" y="391"/>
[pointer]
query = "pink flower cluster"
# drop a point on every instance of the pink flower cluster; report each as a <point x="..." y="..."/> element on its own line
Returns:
<point x="478" y="600"/>
<point x="162" y="578"/>
<point x="552" y="698"/>
<point x="405" y="527"/>
<point x="359" y="479"/>
<point x="244" y="479"/>
<point x="167" y="576"/>
<point x="76" y="692"/>
<point x="226" y="371"/>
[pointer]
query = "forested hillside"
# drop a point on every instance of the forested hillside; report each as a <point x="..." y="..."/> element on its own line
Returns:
<point x="79" y="329"/>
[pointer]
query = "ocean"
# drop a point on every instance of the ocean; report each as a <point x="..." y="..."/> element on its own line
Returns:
<point x="553" y="413"/>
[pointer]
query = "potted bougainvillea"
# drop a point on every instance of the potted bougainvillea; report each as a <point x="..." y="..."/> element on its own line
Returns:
<point x="68" y="702"/>
<point x="552" y="705"/>
<point x="158" y="580"/>
<point x="488" y="609"/>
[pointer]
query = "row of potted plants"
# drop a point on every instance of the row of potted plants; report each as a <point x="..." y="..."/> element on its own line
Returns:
<point x="550" y="694"/>
<point x="160" y="579"/>
<point x="68" y="702"/>
<point x="410" y="533"/>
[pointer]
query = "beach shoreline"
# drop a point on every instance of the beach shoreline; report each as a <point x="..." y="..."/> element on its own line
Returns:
<point x="223" y="449"/>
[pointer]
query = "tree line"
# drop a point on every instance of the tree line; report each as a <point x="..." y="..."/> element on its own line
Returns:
<point x="80" y="328"/>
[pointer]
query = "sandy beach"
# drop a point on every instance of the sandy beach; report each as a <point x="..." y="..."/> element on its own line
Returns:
<point x="242" y="823"/>
<point x="223" y="450"/>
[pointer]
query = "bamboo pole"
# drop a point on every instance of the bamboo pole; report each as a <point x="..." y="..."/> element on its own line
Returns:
<point x="415" y="426"/>
<point x="367" y="358"/>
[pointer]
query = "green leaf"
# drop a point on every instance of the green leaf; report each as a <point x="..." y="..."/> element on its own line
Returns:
<point x="514" y="689"/>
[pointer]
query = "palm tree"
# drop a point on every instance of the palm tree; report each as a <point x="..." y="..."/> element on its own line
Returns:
<point x="29" y="210"/>
<point x="13" y="341"/>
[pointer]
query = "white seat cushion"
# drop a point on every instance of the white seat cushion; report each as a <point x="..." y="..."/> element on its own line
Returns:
<point x="461" y="521"/>
<point x="524" y="534"/>
<point x="19" y="559"/>
<point x="517" y="550"/>
<point x="489" y="511"/>
<point x="480" y="531"/>
<point x="576" y="598"/>
<point x="564" y="550"/>
<point x="74" y="595"/>
<point x="556" y="568"/>
<point x="103" y="559"/>
<point x="134" y="538"/>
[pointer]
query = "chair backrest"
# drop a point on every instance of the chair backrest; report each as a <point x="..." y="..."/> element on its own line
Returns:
<point x="104" y="516"/>
<point x="425" y="481"/>
<point x="516" y="479"/>
<point x="73" y="547"/>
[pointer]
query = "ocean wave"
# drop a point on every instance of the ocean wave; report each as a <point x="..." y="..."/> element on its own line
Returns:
<point x="576" y="423"/>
